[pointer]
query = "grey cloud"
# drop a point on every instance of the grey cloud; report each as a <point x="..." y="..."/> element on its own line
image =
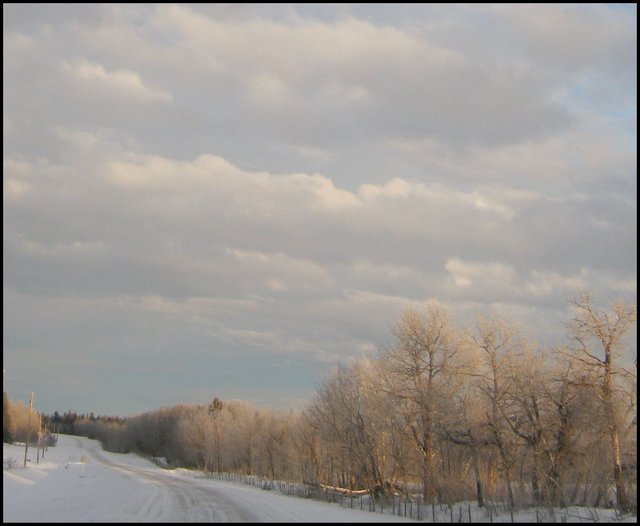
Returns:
<point x="408" y="86"/>
<point x="275" y="185"/>
<point x="149" y="217"/>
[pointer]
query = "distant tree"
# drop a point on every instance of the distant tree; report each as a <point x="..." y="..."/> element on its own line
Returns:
<point x="7" y="428"/>
<point x="215" y="406"/>
<point x="215" y="410"/>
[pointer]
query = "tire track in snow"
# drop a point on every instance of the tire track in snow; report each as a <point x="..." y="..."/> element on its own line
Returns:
<point x="178" y="499"/>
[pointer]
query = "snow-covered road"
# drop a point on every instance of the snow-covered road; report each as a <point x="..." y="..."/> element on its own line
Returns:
<point x="125" y="488"/>
<point x="175" y="498"/>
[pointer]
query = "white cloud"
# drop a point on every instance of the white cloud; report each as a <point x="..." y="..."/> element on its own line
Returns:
<point x="14" y="189"/>
<point x="15" y="182"/>
<point x="79" y="138"/>
<point x="269" y="91"/>
<point x="280" y="272"/>
<point x="13" y="167"/>
<point x="122" y="81"/>
<point x="491" y="274"/>
<point x="545" y="283"/>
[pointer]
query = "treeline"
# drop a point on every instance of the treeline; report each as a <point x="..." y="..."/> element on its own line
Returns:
<point x="230" y="436"/>
<point x="448" y="411"/>
<point x="72" y="423"/>
<point x="480" y="412"/>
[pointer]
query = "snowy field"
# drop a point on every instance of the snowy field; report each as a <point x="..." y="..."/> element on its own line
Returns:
<point x="110" y="487"/>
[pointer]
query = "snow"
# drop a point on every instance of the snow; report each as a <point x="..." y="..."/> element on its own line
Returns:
<point x="111" y="487"/>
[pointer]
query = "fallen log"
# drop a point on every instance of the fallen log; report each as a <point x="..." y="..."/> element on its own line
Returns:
<point x="335" y="489"/>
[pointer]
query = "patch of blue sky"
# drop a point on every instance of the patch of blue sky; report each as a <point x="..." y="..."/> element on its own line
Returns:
<point x="590" y="93"/>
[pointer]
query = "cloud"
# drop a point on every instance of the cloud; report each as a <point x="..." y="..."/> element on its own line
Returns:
<point x="484" y="274"/>
<point x="268" y="187"/>
<point x="124" y="82"/>
<point x="587" y="155"/>
<point x="293" y="231"/>
<point x="280" y="273"/>
<point x="371" y="78"/>
<point x="585" y="35"/>
<point x="14" y="189"/>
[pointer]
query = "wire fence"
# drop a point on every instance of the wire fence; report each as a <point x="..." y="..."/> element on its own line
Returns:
<point x="410" y="506"/>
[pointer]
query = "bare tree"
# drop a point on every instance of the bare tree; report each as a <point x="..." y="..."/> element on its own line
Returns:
<point x="417" y="370"/>
<point x="346" y="413"/>
<point x="598" y="335"/>
<point x="497" y="343"/>
<point x="462" y="426"/>
<point x="557" y="442"/>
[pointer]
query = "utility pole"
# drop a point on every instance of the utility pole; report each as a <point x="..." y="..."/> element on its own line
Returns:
<point x="38" y="442"/>
<point x="26" y="445"/>
<point x="40" y="437"/>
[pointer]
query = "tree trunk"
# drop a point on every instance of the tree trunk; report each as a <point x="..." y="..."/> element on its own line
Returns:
<point x="427" y="458"/>
<point x="535" y="488"/>
<point x="476" y="471"/>
<point x="618" y="476"/>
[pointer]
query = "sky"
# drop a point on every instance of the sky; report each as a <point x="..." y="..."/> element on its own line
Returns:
<point x="226" y="200"/>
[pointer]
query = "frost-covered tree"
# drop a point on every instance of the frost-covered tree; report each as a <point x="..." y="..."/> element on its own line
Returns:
<point x="7" y="428"/>
<point x="418" y="371"/>
<point x="598" y="346"/>
<point x="345" y="413"/>
<point x="497" y="343"/>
